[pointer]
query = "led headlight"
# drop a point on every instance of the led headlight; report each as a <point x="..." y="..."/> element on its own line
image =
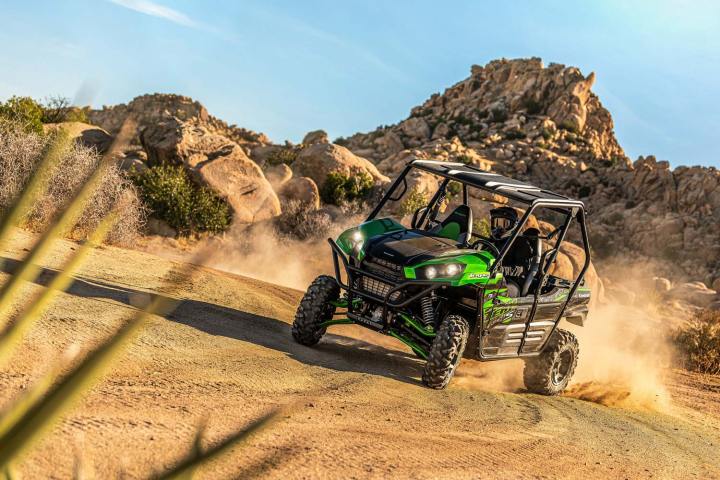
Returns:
<point x="356" y="240"/>
<point x="448" y="270"/>
<point x="430" y="272"/>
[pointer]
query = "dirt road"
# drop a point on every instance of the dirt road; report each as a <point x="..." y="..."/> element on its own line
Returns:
<point x="226" y="356"/>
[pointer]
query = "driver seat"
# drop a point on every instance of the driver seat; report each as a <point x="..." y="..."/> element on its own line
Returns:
<point x="456" y="226"/>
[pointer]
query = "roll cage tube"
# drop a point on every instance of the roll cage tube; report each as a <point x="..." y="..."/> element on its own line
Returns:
<point x="400" y="179"/>
<point x="571" y="210"/>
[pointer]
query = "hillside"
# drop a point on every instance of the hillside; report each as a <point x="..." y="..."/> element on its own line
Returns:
<point x="545" y="125"/>
<point x="226" y="355"/>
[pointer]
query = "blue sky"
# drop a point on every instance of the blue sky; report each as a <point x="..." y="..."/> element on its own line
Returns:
<point x="287" y="67"/>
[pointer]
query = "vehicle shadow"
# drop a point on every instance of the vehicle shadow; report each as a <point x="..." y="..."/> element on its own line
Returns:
<point x="336" y="352"/>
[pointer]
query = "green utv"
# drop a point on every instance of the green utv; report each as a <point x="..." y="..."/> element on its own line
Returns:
<point x="447" y="291"/>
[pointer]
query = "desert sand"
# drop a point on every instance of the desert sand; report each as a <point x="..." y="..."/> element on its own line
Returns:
<point x="225" y="357"/>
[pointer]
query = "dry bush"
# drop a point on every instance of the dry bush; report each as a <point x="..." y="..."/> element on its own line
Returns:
<point x="20" y="153"/>
<point x="699" y="342"/>
<point x="301" y="221"/>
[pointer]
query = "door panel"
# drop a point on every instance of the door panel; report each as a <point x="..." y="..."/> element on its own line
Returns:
<point x="506" y="323"/>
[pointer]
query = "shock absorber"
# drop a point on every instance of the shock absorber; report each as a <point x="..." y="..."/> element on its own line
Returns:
<point x="426" y="308"/>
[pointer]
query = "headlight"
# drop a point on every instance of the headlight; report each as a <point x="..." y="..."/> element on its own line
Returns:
<point x="356" y="240"/>
<point x="448" y="270"/>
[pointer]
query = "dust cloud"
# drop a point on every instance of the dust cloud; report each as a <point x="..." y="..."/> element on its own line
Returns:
<point x="624" y="346"/>
<point x="265" y="256"/>
<point x="624" y="354"/>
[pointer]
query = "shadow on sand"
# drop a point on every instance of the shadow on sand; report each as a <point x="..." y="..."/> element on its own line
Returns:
<point x="335" y="352"/>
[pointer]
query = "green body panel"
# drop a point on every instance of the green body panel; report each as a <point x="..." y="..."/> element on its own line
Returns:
<point x="367" y="230"/>
<point x="451" y="231"/>
<point x="476" y="272"/>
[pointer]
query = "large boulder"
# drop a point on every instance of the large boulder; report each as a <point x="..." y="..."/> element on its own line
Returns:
<point x="319" y="160"/>
<point x="301" y="189"/>
<point x="694" y="293"/>
<point x="216" y="162"/>
<point x="84" y="134"/>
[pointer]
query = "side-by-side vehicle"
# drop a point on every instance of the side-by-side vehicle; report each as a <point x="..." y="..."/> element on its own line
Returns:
<point x="447" y="291"/>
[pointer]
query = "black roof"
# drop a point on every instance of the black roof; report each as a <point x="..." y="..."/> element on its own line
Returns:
<point x="495" y="183"/>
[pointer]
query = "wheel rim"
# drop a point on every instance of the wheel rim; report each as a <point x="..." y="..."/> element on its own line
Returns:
<point x="562" y="367"/>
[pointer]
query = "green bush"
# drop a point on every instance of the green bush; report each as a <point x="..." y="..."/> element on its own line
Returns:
<point x="568" y="126"/>
<point x="340" y="188"/>
<point x="498" y="115"/>
<point x="23" y="112"/>
<point x="464" y="158"/>
<point x="514" y="134"/>
<point x="175" y="198"/>
<point x="532" y="106"/>
<point x="453" y="189"/>
<point x="482" y="227"/>
<point x="413" y="201"/>
<point x="282" y="155"/>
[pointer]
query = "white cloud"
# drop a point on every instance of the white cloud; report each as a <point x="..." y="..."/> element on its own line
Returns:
<point x="156" y="10"/>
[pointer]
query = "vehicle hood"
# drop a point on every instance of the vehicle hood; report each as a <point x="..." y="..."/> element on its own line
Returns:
<point x="409" y="247"/>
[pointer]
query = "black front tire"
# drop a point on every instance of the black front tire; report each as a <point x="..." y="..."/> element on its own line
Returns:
<point x="314" y="309"/>
<point x="551" y="371"/>
<point x="446" y="351"/>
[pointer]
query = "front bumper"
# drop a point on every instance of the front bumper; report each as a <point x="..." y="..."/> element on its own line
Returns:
<point x="396" y="297"/>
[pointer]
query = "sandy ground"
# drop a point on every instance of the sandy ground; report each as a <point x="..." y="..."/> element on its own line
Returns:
<point x="226" y="356"/>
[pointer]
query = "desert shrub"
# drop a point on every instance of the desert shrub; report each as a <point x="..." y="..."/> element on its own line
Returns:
<point x="498" y="115"/>
<point x="514" y="134"/>
<point x="22" y="112"/>
<point x="173" y="197"/>
<point x="20" y="153"/>
<point x="301" y="221"/>
<point x="340" y="188"/>
<point x="699" y="342"/>
<point x="453" y="189"/>
<point x="464" y="158"/>
<point x="532" y="106"/>
<point x="482" y="227"/>
<point x="342" y="141"/>
<point x="282" y="155"/>
<point x="59" y="109"/>
<point x="568" y="126"/>
<point x="413" y="200"/>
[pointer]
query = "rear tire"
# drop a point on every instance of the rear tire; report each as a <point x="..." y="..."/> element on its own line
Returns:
<point x="446" y="351"/>
<point x="314" y="309"/>
<point x="551" y="371"/>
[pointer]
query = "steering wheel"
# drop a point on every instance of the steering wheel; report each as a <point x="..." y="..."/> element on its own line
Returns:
<point x="487" y="243"/>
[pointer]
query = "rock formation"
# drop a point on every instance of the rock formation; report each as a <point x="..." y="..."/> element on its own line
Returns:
<point x="318" y="160"/>
<point x="544" y="125"/>
<point x="147" y="110"/>
<point x="217" y="162"/>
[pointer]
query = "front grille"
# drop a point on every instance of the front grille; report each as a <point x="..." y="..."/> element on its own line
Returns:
<point x="378" y="288"/>
<point x="387" y="270"/>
